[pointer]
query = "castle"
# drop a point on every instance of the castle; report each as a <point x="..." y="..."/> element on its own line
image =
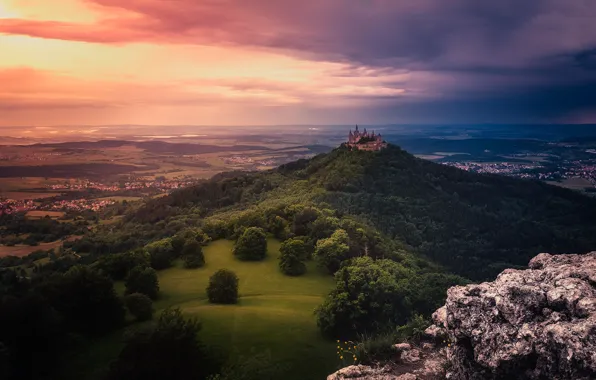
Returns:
<point x="365" y="141"/>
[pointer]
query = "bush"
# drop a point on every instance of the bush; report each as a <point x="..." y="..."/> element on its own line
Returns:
<point x="251" y="245"/>
<point x="292" y="254"/>
<point x="223" y="287"/>
<point x="139" y="305"/>
<point x="143" y="280"/>
<point x="376" y="348"/>
<point x="192" y="253"/>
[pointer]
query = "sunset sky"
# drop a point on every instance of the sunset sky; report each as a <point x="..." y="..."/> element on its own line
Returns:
<point x="225" y="62"/>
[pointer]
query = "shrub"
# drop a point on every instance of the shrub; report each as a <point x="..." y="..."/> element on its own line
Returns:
<point x="192" y="253"/>
<point x="223" y="287"/>
<point x="139" y="305"/>
<point x="251" y="245"/>
<point x="143" y="280"/>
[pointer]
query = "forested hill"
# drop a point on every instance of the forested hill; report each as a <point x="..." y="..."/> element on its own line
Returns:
<point x="474" y="224"/>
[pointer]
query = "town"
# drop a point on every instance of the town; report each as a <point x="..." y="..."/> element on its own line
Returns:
<point x="569" y="170"/>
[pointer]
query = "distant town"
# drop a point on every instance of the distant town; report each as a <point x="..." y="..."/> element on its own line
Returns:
<point x="583" y="170"/>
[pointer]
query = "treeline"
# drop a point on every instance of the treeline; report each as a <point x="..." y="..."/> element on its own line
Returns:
<point x="18" y="229"/>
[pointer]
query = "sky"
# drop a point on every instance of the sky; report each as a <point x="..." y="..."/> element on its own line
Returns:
<point x="275" y="62"/>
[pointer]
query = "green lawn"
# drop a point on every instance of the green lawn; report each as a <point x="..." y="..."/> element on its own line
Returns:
<point x="274" y="313"/>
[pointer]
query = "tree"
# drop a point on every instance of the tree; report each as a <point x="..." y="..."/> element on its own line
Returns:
<point x="192" y="253"/>
<point x="161" y="254"/>
<point x="369" y="296"/>
<point x="31" y="337"/>
<point x="168" y="350"/>
<point x="292" y="255"/>
<point x="332" y="251"/>
<point x="118" y="265"/>
<point x="139" y="305"/>
<point x="85" y="299"/>
<point x="223" y="287"/>
<point x="143" y="280"/>
<point x="251" y="245"/>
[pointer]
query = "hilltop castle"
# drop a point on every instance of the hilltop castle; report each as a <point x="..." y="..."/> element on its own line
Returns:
<point x="365" y="141"/>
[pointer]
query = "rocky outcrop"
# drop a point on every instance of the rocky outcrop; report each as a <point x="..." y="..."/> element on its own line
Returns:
<point x="533" y="324"/>
<point x="538" y="323"/>
<point x="411" y="363"/>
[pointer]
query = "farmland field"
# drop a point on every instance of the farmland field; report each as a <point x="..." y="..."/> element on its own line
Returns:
<point x="22" y="195"/>
<point x="42" y="214"/>
<point x="24" y="250"/>
<point x="274" y="313"/>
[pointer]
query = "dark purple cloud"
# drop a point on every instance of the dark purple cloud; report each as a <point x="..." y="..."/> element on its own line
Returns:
<point x="531" y="60"/>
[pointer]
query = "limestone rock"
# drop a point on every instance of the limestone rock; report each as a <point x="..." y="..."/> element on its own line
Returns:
<point x="363" y="372"/>
<point x="538" y="323"/>
<point x="410" y="356"/>
<point x="402" y="347"/>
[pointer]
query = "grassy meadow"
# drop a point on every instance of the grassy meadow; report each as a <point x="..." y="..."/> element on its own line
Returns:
<point x="274" y="314"/>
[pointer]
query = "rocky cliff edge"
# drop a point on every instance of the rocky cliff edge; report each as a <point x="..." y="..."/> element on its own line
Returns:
<point x="538" y="323"/>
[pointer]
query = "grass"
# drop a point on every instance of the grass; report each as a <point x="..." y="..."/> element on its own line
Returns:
<point x="274" y="313"/>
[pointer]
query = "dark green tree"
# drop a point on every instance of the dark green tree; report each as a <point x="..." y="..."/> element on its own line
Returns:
<point x="223" y="287"/>
<point x="161" y="254"/>
<point x="369" y="296"/>
<point x="139" y="305"/>
<point x="118" y="265"/>
<point x="168" y="350"/>
<point x="31" y="337"/>
<point x="292" y="255"/>
<point x="192" y="254"/>
<point x="330" y="252"/>
<point x="85" y="299"/>
<point x="143" y="280"/>
<point x="251" y="245"/>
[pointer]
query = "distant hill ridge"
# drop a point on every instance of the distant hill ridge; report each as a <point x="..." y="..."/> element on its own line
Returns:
<point x="473" y="224"/>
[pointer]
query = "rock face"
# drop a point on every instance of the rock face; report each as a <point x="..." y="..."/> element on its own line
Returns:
<point x="538" y="323"/>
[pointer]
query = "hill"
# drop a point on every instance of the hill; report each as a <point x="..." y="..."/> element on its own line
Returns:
<point x="371" y="240"/>
<point x="473" y="224"/>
